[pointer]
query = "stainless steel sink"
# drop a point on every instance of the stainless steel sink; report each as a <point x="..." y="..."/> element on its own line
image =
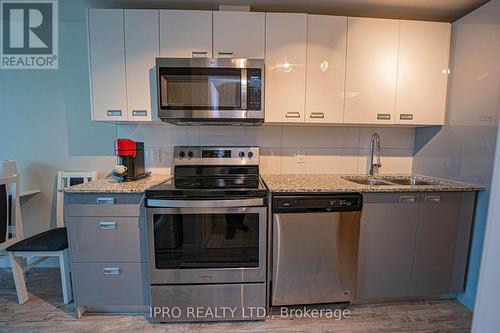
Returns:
<point x="408" y="181"/>
<point x="368" y="181"/>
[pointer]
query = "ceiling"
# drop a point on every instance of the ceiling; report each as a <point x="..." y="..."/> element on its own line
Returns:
<point x="431" y="10"/>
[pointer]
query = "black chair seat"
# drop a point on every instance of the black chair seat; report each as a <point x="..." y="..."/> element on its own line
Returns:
<point x="50" y="240"/>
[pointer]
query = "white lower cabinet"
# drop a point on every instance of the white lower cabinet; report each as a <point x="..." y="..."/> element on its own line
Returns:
<point x="285" y="80"/>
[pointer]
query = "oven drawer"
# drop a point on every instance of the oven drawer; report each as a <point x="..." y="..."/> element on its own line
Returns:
<point x="110" y="284"/>
<point x="248" y="300"/>
<point x="105" y="239"/>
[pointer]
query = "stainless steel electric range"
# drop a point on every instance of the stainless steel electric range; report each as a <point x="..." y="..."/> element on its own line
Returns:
<point x="207" y="237"/>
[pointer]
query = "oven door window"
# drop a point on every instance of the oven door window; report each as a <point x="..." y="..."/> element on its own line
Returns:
<point x="195" y="241"/>
<point x="200" y="88"/>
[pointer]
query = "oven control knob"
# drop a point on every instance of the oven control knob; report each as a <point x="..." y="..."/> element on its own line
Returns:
<point x="182" y="154"/>
<point x="250" y="154"/>
<point x="190" y="154"/>
<point x="241" y="154"/>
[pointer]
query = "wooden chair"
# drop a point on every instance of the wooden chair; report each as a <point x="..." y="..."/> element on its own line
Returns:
<point x="51" y="243"/>
<point x="11" y="229"/>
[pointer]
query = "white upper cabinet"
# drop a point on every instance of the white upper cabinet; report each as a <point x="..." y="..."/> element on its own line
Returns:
<point x="424" y="49"/>
<point x="239" y="35"/>
<point x="326" y="56"/>
<point x="107" y="64"/>
<point x="372" y="61"/>
<point x="318" y="68"/>
<point x="141" y="49"/>
<point x="186" y="33"/>
<point x="285" y="81"/>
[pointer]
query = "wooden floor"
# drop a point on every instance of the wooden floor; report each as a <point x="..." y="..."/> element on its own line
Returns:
<point x="46" y="313"/>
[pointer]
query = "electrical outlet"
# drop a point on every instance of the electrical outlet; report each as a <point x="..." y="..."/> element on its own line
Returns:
<point x="300" y="156"/>
<point x="156" y="155"/>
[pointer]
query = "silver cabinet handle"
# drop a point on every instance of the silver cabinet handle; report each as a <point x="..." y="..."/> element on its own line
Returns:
<point x="226" y="54"/>
<point x="317" y="115"/>
<point x="199" y="54"/>
<point x="105" y="201"/>
<point x="432" y="198"/>
<point x="292" y="115"/>
<point x="384" y="116"/>
<point x="406" y="116"/>
<point x="139" y="113"/>
<point x="407" y="198"/>
<point x="107" y="225"/>
<point x="111" y="271"/>
<point x="486" y="118"/>
<point x="114" y="113"/>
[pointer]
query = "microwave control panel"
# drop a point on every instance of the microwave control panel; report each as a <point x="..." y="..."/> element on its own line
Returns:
<point x="254" y="89"/>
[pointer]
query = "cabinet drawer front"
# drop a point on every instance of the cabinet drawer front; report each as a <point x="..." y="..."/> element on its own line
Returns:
<point x="104" y="211"/>
<point x="103" y="204"/>
<point x="103" y="198"/>
<point x="107" y="284"/>
<point x="102" y="239"/>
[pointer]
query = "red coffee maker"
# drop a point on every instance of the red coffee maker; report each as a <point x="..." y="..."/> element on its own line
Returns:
<point x="130" y="155"/>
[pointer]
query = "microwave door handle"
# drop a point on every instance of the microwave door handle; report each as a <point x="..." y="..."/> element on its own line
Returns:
<point x="163" y="93"/>
<point x="244" y="87"/>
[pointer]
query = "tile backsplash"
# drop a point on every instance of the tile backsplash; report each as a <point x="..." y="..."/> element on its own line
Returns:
<point x="284" y="149"/>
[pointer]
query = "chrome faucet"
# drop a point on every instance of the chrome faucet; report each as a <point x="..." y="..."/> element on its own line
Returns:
<point x="374" y="149"/>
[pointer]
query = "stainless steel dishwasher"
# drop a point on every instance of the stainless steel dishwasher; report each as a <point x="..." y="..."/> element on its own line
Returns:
<point x="315" y="247"/>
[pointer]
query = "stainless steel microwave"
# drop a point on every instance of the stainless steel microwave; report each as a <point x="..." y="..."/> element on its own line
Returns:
<point x="197" y="91"/>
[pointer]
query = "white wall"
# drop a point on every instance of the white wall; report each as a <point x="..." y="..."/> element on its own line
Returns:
<point x="45" y="120"/>
<point x="464" y="148"/>
<point x="328" y="150"/>
<point x="488" y="294"/>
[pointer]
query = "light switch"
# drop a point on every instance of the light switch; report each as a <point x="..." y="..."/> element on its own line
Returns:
<point x="300" y="156"/>
<point x="156" y="155"/>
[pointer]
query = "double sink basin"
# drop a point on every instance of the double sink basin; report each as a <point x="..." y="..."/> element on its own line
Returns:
<point x="384" y="181"/>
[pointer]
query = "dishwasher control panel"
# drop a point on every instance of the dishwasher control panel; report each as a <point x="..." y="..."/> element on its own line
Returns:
<point x="318" y="203"/>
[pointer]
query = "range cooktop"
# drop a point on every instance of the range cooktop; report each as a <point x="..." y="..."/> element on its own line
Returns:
<point x="212" y="172"/>
<point x="209" y="187"/>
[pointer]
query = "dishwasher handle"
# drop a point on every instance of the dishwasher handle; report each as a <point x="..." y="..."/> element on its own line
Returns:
<point x="318" y="203"/>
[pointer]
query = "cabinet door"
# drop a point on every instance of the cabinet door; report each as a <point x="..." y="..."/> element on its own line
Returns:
<point x="286" y="36"/>
<point x="239" y="34"/>
<point x="372" y="61"/>
<point x="326" y="56"/>
<point x="107" y="64"/>
<point x="386" y="245"/>
<point x="442" y="245"/>
<point x="424" y="51"/>
<point x="185" y="33"/>
<point x="141" y="49"/>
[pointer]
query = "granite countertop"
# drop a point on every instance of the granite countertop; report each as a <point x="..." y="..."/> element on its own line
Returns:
<point x="110" y="185"/>
<point x="336" y="183"/>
